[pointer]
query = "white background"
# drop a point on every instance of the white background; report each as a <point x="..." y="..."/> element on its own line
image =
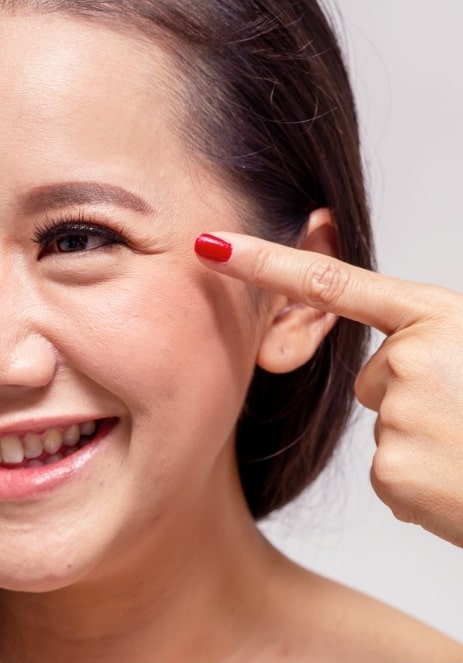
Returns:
<point x="406" y="61"/>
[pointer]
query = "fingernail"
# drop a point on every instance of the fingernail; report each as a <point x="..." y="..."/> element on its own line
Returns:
<point x="213" y="248"/>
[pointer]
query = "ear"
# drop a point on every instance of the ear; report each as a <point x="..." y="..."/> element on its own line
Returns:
<point x="295" y="331"/>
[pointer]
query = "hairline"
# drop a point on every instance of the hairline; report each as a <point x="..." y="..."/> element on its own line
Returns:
<point x="157" y="38"/>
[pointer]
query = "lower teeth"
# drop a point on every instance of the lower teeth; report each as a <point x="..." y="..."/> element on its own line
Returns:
<point x="48" y="461"/>
<point x="53" y="459"/>
<point x="34" y="463"/>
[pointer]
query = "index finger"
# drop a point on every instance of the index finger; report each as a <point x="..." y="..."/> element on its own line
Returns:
<point x="319" y="281"/>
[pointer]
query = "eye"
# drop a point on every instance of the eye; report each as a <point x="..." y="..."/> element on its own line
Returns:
<point x="79" y="242"/>
<point x="75" y="236"/>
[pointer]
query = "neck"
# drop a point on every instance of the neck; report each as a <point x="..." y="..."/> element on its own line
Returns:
<point x="155" y="601"/>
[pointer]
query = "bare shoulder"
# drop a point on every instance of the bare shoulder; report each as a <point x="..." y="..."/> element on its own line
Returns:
<point x="337" y="624"/>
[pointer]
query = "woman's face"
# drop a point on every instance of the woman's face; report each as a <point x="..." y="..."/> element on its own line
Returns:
<point x="106" y="315"/>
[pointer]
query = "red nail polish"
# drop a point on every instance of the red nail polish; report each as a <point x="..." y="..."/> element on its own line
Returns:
<point x="213" y="248"/>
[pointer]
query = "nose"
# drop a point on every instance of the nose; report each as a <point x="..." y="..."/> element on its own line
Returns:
<point x="26" y="361"/>
<point x="27" y="357"/>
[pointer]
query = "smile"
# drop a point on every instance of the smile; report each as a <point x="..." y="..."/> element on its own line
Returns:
<point x="33" y="450"/>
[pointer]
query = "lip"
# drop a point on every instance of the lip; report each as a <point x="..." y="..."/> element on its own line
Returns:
<point x="26" y="484"/>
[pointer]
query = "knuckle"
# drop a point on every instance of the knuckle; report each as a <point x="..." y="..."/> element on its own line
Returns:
<point x="386" y="471"/>
<point x="399" y="360"/>
<point x="389" y="413"/>
<point x="399" y="412"/>
<point x="260" y="267"/>
<point x="392" y="479"/>
<point x="324" y="282"/>
<point x="406" y="513"/>
<point x="411" y="357"/>
<point x="384" y="466"/>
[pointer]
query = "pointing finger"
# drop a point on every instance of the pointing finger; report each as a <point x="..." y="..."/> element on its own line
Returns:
<point x="319" y="281"/>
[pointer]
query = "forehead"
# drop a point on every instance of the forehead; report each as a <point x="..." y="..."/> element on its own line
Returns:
<point x="45" y="49"/>
<point x="76" y="91"/>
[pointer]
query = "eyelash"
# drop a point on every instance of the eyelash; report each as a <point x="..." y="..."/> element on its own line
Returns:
<point x="51" y="230"/>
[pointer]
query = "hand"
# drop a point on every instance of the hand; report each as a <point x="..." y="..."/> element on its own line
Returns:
<point x="414" y="381"/>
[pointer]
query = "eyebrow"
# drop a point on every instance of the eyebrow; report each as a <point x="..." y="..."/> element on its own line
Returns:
<point x="66" y="194"/>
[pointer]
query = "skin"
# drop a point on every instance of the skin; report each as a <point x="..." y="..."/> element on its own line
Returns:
<point x="413" y="381"/>
<point x="153" y="541"/>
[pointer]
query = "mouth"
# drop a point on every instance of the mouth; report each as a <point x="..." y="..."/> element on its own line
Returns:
<point x="34" y="450"/>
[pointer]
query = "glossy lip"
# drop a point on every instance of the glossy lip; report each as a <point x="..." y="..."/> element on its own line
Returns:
<point x="26" y="484"/>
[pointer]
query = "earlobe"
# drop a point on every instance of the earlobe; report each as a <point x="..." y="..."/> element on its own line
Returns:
<point x="295" y="331"/>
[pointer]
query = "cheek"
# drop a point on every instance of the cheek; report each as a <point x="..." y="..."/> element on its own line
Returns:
<point x="176" y="352"/>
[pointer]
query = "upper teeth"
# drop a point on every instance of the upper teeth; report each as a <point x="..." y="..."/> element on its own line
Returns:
<point x="14" y="448"/>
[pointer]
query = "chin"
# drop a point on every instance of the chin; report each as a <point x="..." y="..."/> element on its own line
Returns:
<point x="36" y="576"/>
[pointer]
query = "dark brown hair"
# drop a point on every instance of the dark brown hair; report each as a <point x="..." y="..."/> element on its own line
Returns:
<point x="270" y="106"/>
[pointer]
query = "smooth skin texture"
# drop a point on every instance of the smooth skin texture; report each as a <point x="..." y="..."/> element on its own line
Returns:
<point x="414" y="381"/>
<point x="150" y="553"/>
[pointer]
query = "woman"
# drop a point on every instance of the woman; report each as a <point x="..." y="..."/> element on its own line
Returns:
<point x="150" y="409"/>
